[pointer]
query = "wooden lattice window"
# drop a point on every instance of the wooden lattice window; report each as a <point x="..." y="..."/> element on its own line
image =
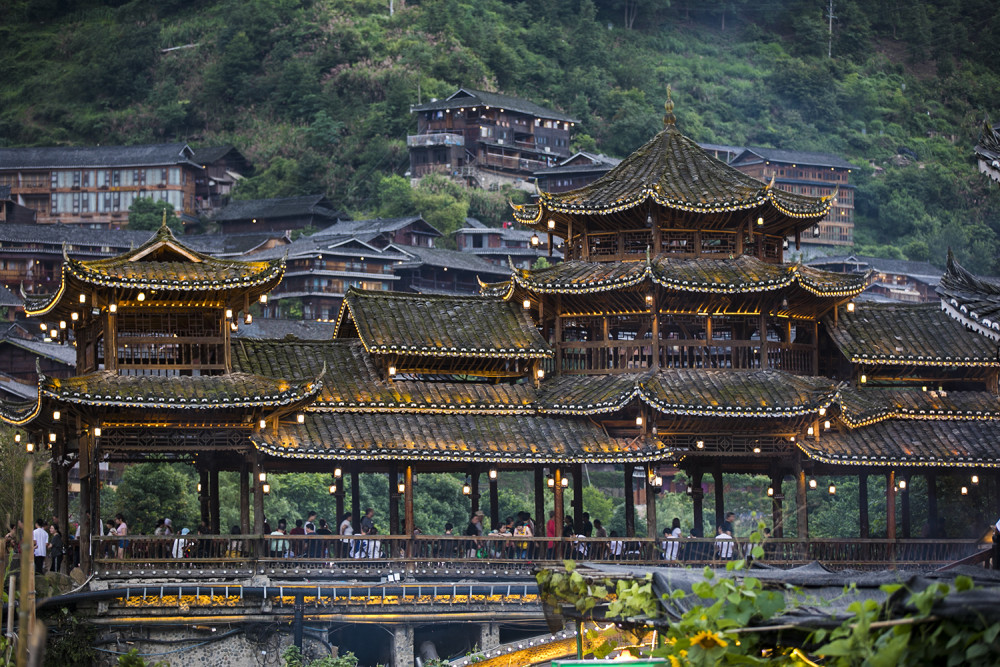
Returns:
<point x="160" y="342"/>
<point x="603" y="245"/>
<point x="718" y="243"/>
<point x="772" y="248"/>
<point x="636" y="242"/>
<point x="677" y="241"/>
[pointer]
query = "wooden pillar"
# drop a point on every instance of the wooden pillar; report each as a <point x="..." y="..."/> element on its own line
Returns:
<point x="557" y="498"/>
<point x="258" y="494"/>
<point x="650" y="508"/>
<point x="203" y="493"/>
<point x="61" y="479"/>
<point x="539" y="501"/>
<point x="244" y="498"/>
<point x="86" y="490"/>
<point x="394" y="528"/>
<point x="577" y="497"/>
<point x="213" y="500"/>
<point x="720" y="495"/>
<point x="408" y="508"/>
<point x="932" y="505"/>
<point x="801" y="503"/>
<point x="905" y="501"/>
<point x="815" y="346"/>
<point x="494" y="499"/>
<point x="629" y="501"/>
<point x="654" y="310"/>
<point x="697" y="504"/>
<point x="558" y="344"/>
<point x="356" y="498"/>
<point x="762" y="328"/>
<point x="890" y="505"/>
<point x="864" y="532"/>
<point x="777" y="515"/>
<point x="474" y="478"/>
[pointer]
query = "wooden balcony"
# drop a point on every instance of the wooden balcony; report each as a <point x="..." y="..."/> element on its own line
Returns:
<point x="319" y="557"/>
<point x="633" y="356"/>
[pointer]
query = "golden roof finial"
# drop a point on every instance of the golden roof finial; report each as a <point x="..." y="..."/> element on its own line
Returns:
<point x="669" y="118"/>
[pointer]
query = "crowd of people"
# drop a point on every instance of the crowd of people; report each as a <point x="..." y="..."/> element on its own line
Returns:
<point x="514" y="538"/>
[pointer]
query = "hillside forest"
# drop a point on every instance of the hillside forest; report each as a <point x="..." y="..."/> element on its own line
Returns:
<point x="316" y="93"/>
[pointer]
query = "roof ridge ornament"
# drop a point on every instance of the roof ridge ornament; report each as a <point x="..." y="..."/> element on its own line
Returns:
<point x="669" y="119"/>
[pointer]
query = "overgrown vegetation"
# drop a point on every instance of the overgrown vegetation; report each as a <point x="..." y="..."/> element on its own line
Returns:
<point x="317" y="92"/>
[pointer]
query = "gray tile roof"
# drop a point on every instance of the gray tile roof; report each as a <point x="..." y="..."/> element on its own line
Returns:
<point x="64" y="157"/>
<point x="453" y="259"/>
<point x="795" y="157"/>
<point x="468" y="97"/>
<point x="273" y="329"/>
<point x="281" y="207"/>
<point x="377" y="226"/>
<point x="348" y="246"/>
<point x="863" y="263"/>
<point x="209" y="154"/>
<point x="73" y="235"/>
<point x="988" y="147"/>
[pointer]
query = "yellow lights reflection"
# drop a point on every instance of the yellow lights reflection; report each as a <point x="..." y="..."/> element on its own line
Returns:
<point x="199" y="487"/>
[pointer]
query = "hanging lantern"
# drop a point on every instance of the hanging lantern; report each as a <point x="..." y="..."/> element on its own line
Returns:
<point x="83" y="298"/>
<point x="965" y="490"/>
<point x="29" y="447"/>
<point x="812" y="483"/>
<point x="770" y="491"/>
<point x="263" y="298"/>
<point x="550" y="481"/>
<point x="534" y="240"/>
<point x="300" y="418"/>
<point x="467" y="487"/>
<point x="113" y="308"/>
<point x="493" y="474"/>
<point x="338" y="472"/>
<point x="638" y="420"/>
<point x="902" y="485"/>
<point x="975" y="479"/>
<point x="333" y="489"/>
<point x="552" y="223"/>
<point x="822" y="412"/>
<point x="565" y="482"/>
<point x="262" y="476"/>
<point x="700" y="444"/>
<point x="97" y="431"/>
<point x="263" y="423"/>
<point x="141" y="296"/>
<point x="540" y="373"/>
<point x="833" y="490"/>
<point x="810" y="431"/>
<point x="56" y="415"/>
<point x="864" y="379"/>
<point x="526" y="304"/>
<point x="266" y="488"/>
<point x="248" y="319"/>
<point x="850" y="306"/>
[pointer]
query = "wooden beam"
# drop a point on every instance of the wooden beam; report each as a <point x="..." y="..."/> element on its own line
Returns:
<point x="539" y="501"/>
<point x="863" y="528"/>
<point x="629" y="500"/>
<point x="890" y="505"/>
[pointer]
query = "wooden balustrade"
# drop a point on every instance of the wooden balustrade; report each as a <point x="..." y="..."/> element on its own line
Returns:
<point x="615" y="356"/>
<point x="117" y="557"/>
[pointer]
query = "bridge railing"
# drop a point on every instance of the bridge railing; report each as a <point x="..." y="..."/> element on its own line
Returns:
<point x="116" y="556"/>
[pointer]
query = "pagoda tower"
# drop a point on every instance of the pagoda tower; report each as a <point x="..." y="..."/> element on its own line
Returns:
<point x="674" y="319"/>
<point x="155" y="375"/>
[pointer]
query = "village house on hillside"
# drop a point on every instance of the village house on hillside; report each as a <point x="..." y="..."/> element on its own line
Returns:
<point x="988" y="151"/>
<point x="95" y="186"/>
<point x="487" y="139"/>
<point x="277" y="214"/>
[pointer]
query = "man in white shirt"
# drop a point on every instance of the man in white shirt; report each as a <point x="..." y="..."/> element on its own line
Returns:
<point x="724" y="544"/>
<point x="41" y="537"/>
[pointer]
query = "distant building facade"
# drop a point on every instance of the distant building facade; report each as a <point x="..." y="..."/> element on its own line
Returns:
<point x="11" y="211"/>
<point x="95" y="186"/>
<point x="891" y="279"/>
<point x="487" y="139"/>
<point x="277" y="214"/>
<point x="813" y="175"/>
<point x="576" y="171"/>
<point x="497" y="244"/>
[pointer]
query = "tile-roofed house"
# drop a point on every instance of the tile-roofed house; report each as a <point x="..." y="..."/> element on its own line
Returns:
<point x="223" y="166"/>
<point x="486" y="139"/>
<point x="816" y="174"/>
<point x="321" y="268"/>
<point x="505" y="245"/>
<point x="278" y="214"/>
<point x="96" y="185"/>
<point x="988" y="150"/>
<point x="440" y="271"/>
<point x="896" y="279"/>
<point x="381" y="232"/>
<point x="575" y="171"/>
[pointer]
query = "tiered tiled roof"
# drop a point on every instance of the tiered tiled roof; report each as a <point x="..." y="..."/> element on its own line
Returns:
<point x="456" y="438"/>
<point x="739" y="275"/>
<point x="672" y="171"/>
<point x="63" y="157"/>
<point x="161" y="264"/>
<point x="700" y="393"/>
<point x="910" y="443"/>
<point x="910" y="335"/>
<point x="447" y="326"/>
<point x="232" y="390"/>
<point x="280" y="207"/>
<point x="971" y="300"/>
<point x="469" y="97"/>
<point x="353" y="384"/>
<point x="862" y="407"/>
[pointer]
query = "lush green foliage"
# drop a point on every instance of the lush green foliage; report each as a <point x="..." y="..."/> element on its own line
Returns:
<point x="148" y="214"/>
<point x="293" y="658"/>
<point x="317" y="94"/>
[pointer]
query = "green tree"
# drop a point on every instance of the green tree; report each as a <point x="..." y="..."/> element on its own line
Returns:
<point x="152" y="491"/>
<point x="147" y="214"/>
